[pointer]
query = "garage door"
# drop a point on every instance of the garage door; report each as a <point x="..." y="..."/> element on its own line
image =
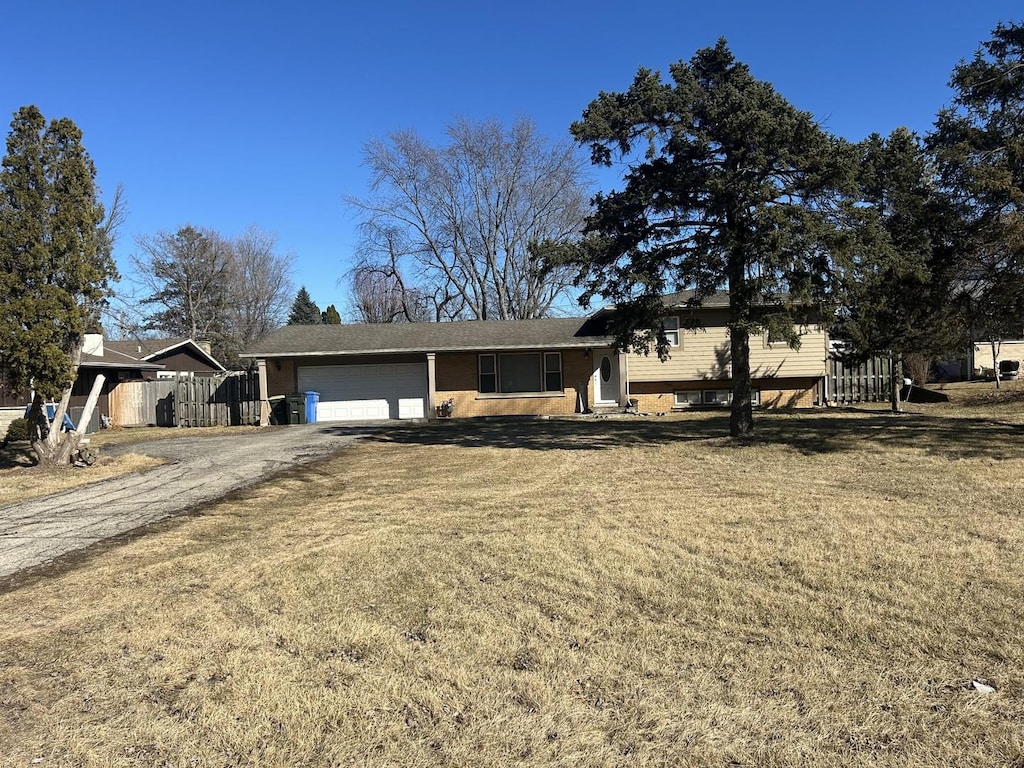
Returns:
<point x="360" y="392"/>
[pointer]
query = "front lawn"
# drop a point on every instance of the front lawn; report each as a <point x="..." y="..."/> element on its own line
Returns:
<point x="597" y="593"/>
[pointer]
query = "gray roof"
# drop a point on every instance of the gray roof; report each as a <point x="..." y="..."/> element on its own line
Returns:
<point x="468" y="335"/>
<point x="142" y="348"/>
<point x="113" y="358"/>
<point x="147" y="349"/>
<point x="718" y="299"/>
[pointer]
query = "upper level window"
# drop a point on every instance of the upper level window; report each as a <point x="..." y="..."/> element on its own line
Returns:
<point x="775" y="337"/>
<point x="671" y="326"/>
<point x="520" y="372"/>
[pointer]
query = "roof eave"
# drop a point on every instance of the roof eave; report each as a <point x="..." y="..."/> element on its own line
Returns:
<point x="186" y="342"/>
<point x="592" y="341"/>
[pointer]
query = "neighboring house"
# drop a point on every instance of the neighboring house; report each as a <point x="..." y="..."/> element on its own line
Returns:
<point x="981" y="356"/>
<point x="99" y="356"/>
<point x="119" y="362"/>
<point x="548" y="366"/>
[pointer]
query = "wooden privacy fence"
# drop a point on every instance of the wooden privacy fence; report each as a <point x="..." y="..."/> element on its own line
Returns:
<point x="867" y="382"/>
<point x="227" y="400"/>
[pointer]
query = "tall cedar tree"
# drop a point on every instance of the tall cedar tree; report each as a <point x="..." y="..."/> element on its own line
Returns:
<point x="894" y="288"/>
<point x="979" y="148"/>
<point x="331" y="316"/>
<point x="55" y="265"/>
<point x="304" y="310"/>
<point x="729" y="187"/>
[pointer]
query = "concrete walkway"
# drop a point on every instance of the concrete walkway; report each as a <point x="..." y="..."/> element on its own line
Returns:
<point x="201" y="470"/>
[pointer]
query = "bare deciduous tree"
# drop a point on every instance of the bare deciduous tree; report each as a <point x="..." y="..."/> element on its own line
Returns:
<point x="458" y="223"/>
<point x="380" y="296"/>
<point x="261" y="286"/>
<point x="204" y="286"/>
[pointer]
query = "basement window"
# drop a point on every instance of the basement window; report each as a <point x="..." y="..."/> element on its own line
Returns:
<point x="721" y="397"/>
<point x="687" y="397"/>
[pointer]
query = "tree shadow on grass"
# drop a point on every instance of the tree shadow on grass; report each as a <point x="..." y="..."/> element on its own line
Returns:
<point x="16" y="456"/>
<point x="808" y="432"/>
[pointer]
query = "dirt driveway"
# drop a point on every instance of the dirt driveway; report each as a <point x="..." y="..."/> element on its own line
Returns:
<point x="201" y="469"/>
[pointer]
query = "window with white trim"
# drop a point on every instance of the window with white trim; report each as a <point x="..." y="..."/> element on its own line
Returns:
<point x="687" y="397"/>
<point x="717" y="396"/>
<point x="691" y="397"/>
<point x="671" y="327"/>
<point x="519" y="372"/>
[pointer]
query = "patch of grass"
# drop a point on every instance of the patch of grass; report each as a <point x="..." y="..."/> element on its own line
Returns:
<point x="131" y="435"/>
<point x="594" y="593"/>
<point x="20" y="480"/>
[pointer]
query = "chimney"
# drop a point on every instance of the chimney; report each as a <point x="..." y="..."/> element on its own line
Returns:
<point x="92" y="344"/>
<point x="204" y="345"/>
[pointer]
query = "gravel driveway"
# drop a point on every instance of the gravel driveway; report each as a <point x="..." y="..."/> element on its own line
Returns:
<point x="201" y="470"/>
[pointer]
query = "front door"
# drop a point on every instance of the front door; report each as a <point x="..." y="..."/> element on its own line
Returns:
<point x="606" y="380"/>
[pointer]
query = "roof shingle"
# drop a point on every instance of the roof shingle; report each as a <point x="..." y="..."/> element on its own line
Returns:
<point x="468" y="335"/>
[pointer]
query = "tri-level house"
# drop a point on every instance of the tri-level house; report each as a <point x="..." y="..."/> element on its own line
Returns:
<point x="553" y="366"/>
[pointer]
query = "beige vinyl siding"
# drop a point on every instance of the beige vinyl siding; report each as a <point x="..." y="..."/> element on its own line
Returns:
<point x="704" y="356"/>
<point x="1005" y="350"/>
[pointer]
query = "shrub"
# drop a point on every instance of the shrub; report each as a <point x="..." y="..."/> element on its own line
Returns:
<point x="18" y="430"/>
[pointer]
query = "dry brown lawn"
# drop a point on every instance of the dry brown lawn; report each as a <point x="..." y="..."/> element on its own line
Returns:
<point x="602" y="593"/>
<point x="20" y="480"/>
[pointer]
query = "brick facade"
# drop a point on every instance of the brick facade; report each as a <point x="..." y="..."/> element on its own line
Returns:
<point x="456" y="376"/>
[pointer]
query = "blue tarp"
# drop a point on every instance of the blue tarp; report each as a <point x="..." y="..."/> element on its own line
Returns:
<point x="51" y="410"/>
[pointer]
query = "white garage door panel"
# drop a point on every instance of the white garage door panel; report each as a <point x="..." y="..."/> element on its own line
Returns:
<point x="360" y="392"/>
<point x="352" y="410"/>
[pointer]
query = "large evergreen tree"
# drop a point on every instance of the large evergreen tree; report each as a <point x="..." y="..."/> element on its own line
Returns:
<point x="894" y="287"/>
<point x="729" y="187"/>
<point x="304" y="310"/>
<point x="979" y="147"/>
<point x="55" y="265"/>
<point x="331" y="316"/>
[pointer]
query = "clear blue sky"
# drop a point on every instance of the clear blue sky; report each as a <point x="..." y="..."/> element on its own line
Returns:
<point x="224" y="113"/>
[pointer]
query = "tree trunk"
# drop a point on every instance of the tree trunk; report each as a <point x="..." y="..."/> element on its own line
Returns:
<point x="57" y="448"/>
<point x="894" y="383"/>
<point x="741" y="306"/>
<point x="741" y="417"/>
<point x="995" y="364"/>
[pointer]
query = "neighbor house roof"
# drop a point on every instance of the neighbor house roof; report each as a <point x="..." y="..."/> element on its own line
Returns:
<point x="718" y="299"/>
<point x="468" y="335"/>
<point x="114" y="358"/>
<point x="148" y="349"/>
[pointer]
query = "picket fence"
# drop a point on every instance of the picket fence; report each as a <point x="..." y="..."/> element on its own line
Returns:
<point x="228" y="400"/>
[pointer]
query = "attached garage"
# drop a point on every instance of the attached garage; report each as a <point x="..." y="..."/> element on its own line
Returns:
<point x="363" y="392"/>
